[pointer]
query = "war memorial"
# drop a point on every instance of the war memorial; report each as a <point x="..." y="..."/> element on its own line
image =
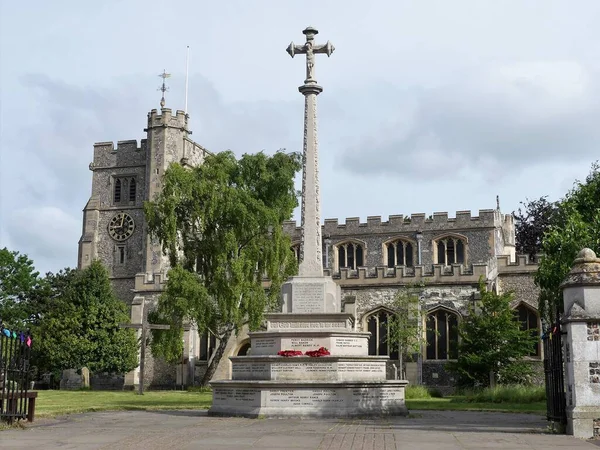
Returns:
<point x="310" y="361"/>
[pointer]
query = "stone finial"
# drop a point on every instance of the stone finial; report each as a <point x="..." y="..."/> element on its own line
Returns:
<point x="586" y="255"/>
<point x="585" y="271"/>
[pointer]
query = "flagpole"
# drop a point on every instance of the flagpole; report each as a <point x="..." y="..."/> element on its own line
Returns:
<point x="187" y="66"/>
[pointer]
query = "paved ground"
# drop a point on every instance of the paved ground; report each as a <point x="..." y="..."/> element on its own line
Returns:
<point x="184" y="430"/>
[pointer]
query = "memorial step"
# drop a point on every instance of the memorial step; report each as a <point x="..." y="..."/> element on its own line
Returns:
<point x="338" y="343"/>
<point x="313" y="399"/>
<point x="305" y="322"/>
<point x="306" y="368"/>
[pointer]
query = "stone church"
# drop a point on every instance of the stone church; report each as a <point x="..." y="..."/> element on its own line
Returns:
<point x="371" y="261"/>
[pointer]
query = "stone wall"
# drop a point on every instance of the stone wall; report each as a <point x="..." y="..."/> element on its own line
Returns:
<point x="523" y="287"/>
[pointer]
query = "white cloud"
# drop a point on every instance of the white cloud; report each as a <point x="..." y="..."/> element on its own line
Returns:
<point x="503" y="118"/>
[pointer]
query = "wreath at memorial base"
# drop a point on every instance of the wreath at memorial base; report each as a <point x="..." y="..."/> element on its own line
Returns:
<point x="312" y="353"/>
<point x="315" y="353"/>
<point x="287" y="353"/>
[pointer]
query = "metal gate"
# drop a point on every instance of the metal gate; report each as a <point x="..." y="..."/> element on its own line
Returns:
<point x="554" y="375"/>
<point x="15" y="398"/>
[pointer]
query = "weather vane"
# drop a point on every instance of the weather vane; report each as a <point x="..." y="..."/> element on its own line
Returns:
<point x="164" y="87"/>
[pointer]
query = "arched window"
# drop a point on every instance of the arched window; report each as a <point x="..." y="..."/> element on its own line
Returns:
<point x="378" y="326"/>
<point x="350" y="255"/>
<point x="124" y="190"/>
<point x="441" y="330"/>
<point x="399" y="253"/>
<point x="117" y="194"/>
<point x="450" y="250"/>
<point x="208" y="344"/>
<point x="132" y="190"/>
<point x="528" y="320"/>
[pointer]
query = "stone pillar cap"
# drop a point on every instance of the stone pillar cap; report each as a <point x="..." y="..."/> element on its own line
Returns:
<point x="585" y="271"/>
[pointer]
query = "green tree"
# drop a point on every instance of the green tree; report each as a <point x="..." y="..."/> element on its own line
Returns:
<point x="531" y="223"/>
<point x="492" y="342"/>
<point x="81" y="326"/>
<point x="576" y="225"/>
<point x="405" y="330"/>
<point x="18" y="279"/>
<point x="221" y="226"/>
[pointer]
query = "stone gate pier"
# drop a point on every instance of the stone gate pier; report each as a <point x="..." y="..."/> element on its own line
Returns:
<point x="581" y="321"/>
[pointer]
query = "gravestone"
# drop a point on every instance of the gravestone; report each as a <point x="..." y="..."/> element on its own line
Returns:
<point x="347" y="381"/>
<point x="85" y="377"/>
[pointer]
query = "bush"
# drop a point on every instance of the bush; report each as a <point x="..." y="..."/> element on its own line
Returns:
<point x="515" y="393"/>
<point x="414" y="392"/>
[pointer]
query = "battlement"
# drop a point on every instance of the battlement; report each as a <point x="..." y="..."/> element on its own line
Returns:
<point x="487" y="218"/>
<point x="167" y="119"/>
<point x="148" y="282"/>
<point x="521" y="265"/>
<point x="125" y="153"/>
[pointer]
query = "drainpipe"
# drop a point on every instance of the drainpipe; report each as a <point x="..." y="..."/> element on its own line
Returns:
<point x="419" y="254"/>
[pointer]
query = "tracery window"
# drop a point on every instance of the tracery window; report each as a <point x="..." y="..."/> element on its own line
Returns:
<point x="400" y="253"/>
<point x="124" y="190"/>
<point x="441" y="333"/>
<point x="350" y="255"/>
<point x="528" y="320"/>
<point x="378" y="326"/>
<point x="208" y="345"/>
<point x="450" y="250"/>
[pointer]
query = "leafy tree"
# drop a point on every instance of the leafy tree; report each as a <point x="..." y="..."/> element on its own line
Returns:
<point x="221" y="226"/>
<point x="492" y="342"/>
<point x="18" y="279"/>
<point x="81" y="328"/>
<point x="576" y="225"/>
<point x="405" y="331"/>
<point x="531" y="223"/>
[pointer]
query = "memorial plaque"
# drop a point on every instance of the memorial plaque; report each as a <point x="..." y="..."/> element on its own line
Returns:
<point x="236" y="396"/>
<point x="308" y="297"/>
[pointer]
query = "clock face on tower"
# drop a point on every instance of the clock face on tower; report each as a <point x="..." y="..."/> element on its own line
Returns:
<point x="121" y="227"/>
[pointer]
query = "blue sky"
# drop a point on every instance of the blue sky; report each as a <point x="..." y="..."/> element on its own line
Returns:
<point x="427" y="105"/>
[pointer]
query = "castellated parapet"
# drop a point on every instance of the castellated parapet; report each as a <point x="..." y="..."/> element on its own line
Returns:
<point x="124" y="154"/>
<point x="487" y="218"/>
<point x="167" y="119"/>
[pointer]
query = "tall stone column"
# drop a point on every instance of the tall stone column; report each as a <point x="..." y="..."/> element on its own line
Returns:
<point x="310" y="292"/>
<point x="581" y="321"/>
<point x="311" y="254"/>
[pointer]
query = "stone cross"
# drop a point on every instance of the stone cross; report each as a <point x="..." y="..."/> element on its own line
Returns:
<point x="143" y="327"/>
<point x="311" y="247"/>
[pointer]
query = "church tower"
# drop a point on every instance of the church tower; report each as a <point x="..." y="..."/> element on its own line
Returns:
<point x="114" y="228"/>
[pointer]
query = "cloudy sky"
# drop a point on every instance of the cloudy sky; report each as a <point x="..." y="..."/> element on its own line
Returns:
<point x="427" y="105"/>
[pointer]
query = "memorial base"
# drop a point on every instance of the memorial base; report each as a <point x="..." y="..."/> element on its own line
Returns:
<point x="308" y="399"/>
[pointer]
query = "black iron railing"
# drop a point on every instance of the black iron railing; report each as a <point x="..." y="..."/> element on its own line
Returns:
<point x="554" y="375"/>
<point x="15" y="352"/>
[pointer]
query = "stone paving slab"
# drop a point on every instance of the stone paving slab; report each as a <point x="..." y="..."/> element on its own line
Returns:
<point x="186" y="430"/>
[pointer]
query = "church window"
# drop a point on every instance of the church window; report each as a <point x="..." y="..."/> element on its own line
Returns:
<point x="132" y="190"/>
<point x="120" y="254"/>
<point x="450" y="250"/>
<point x="528" y="320"/>
<point x="441" y="333"/>
<point x="117" y="196"/>
<point x="124" y="190"/>
<point x="399" y="253"/>
<point x="208" y="345"/>
<point x="378" y="326"/>
<point x="296" y="251"/>
<point x="350" y="255"/>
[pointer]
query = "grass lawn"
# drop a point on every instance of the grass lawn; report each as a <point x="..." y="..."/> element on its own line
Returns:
<point x="451" y="404"/>
<point x="56" y="403"/>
